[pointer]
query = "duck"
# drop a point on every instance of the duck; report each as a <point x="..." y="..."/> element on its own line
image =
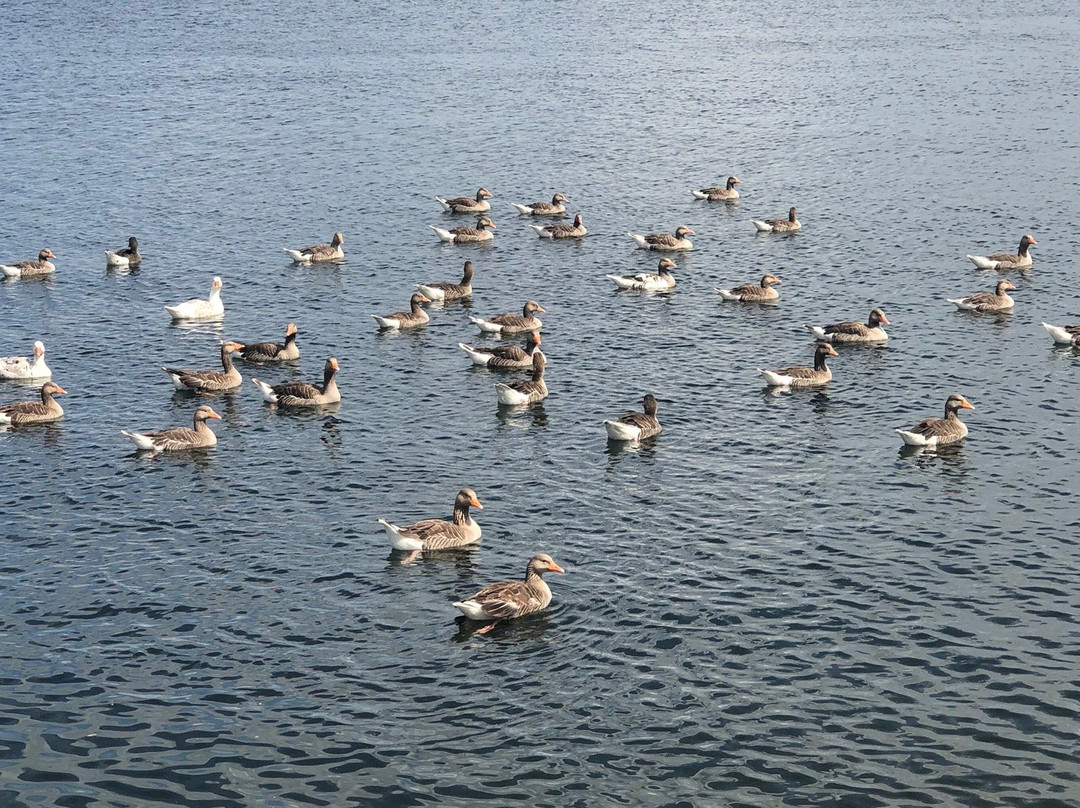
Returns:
<point x="561" y="230"/>
<point x="467" y="235"/>
<point x="751" y="293"/>
<point x="441" y="290"/>
<point x="1002" y="260"/>
<point x="31" y="269"/>
<point x="317" y="253"/>
<point x="526" y="391"/>
<point x="660" y="281"/>
<point x="301" y="394"/>
<point x="438" y="534"/>
<point x="33" y="412"/>
<point x="178" y="438"/>
<point x="854" y="331"/>
<point x="553" y="208"/>
<point x="1061" y="334"/>
<point x="509" y="599"/>
<point x="210" y="381"/>
<point x="126" y="257"/>
<point x="635" y="426"/>
<point x="406" y="319"/>
<point x="512" y="323"/>
<point x="665" y="241"/>
<point x="986" y="301"/>
<point x="463" y="204"/>
<point x="798" y="376"/>
<point x="933" y="432"/>
<point x="273" y="351"/>
<point x="788" y="225"/>
<point x="197" y="309"/>
<point x="19" y="367"/>
<point x="719" y="193"/>
<point x="508" y="357"/>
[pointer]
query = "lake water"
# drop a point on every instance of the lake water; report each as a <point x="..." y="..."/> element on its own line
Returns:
<point x="770" y="605"/>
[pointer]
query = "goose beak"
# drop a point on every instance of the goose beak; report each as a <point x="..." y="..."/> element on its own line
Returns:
<point x="541" y="308"/>
<point x="885" y="320"/>
<point x="476" y="503"/>
<point x="966" y="405"/>
<point x="555" y="567"/>
<point x="214" y="415"/>
<point x="61" y="390"/>
<point x="832" y="350"/>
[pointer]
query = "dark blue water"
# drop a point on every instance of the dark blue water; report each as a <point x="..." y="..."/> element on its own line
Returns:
<point x="770" y="605"/>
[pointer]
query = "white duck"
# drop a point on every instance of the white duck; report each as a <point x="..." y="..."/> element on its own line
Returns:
<point x="197" y="309"/>
<point x="659" y="281"/>
<point x="19" y="367"/>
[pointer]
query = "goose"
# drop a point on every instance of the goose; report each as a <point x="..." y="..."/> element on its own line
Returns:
<point x="561" y="230"/>
<point x="301" y="394"/>
<point x="179" y="438"/>
<point x="750" y="293"/>
<point x="1061" y="334"/>
<point x="210" y="381"/>
<point x="464" y="204"/>
<point x="798" y="376"/>
<point x="509" y="599"/>
<point x="788" y="225"/>
<point x="552" y="208"/>
<point x="1001" y="260"/>
<point x="126" y="257"/>
<point x="273" y="351"/>
<point x="319" y="252"/>
<point x="437" y="534"/>
<point x="406" y="319"/>
<point x="31" y="269"/>
<point x="467" y="235"/>
<point x="854" y="331"/>
<point x="441" y="290"/>
<point x="635" y="426"/>
<point x="19" y="367"/>
<point x="718" y="193"/>
<point x="665" y="241"/>
<point x="512" y="323"/>
<point x="660" y="281"/>
<point x="197" y="309"/>
<point x="986" y="301"/>
<point x="933" y="432"/>
<point x="33" y="412"/>
<point x="508" y="357"/>
<point x="526" y="391"/>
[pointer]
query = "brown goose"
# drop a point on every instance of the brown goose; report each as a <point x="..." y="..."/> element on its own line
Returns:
<point x="788" y="225"/>
<point x="406" y="319"/>
<point x="442" y="290"/>
<point x="210" y="381"/>
<point x="575" y="230"/>
<point x="854" y="331"/>
<point x="512" y="323"/>
<point x="1061" y="334"/>
<point x="301" y="394"/>
<point x="751" y="293"/>
<point x="635" y="426"/>
<point x="464" y="204"/>
<point x="33" y="412"/>
<point x="509" y="599"/>
<point x="552" y="208"/>
<point x="931" y="432"/>
<point x="437" y="534"/>
<point x="508" y="357"/>
<point x="1002" y="260"/>
<point x="526" y="391"/>
<point x="319" y="252"/>
<point x="127" y="257"/>
<point x="987" y="301"/>
<point x="273" y="351"/>
<point x="179" y="438"/>
<point x="720" y="193"/>
<point x="799" y="376"/>
<point x="467" y="235"/>
<point x="31" y="269"/>
<point x="665" y="241"/>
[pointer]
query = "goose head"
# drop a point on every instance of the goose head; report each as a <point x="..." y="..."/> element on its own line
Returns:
<point x="216" y="285"/>
<point x="133" y="244"/>
<point x="877" y="317"/>
<point x="467" y="272"/>
<point x="482" y="194"/>
<point x="649" y="404"/>
<point x="290" y="329"/>
<point x="1027" y="241"/>
<point x="733" y="181"/>
<point x="541" y="563"/>
<point x="337" y="240"/>
<point x="665" y="266"/>
<point x="467" y="497"/>
<point x="417" y="299"/>
<point x="46" y="254"/>
<point x="530" y="307"/>
<point x="684" y="231"/>
<point x="555" y="200"/>
<point x="39" y="348"/>
<point x="52" y="389"/>
<point x="206" y="413"/>
<point x="791" y="215"/>
<point x="769" y="280"/>
<point x="955" y="403"/>
<point x="1004" y="286"/>
<point x="578" y="221"/>
<point x="483" y="222"/>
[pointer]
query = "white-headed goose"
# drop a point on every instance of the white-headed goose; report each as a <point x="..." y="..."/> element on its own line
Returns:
<point x="406" y="319"/>
<point x="659" y="281"/>
<point x="931" y="432"/>
<point x="438" y="534"/>
<point x="210" y="381"/>
<point x="634" y="426"/>
<point x="719" y="193"/>
<point x="561" y="230"/>
<point x="1063" y="334"/>
<point x="463" y="204"/>
<point x="800" y="376"/>
<point x="20" y="367"/>
<point x="126" y="257"/>
<point x="853" y="331"/>
<point x="665" y="241"/>
<point x="997" y="300"/>
<point x="509" y="599"/>
<point x="507" y="357"/>
<point x="196" y="309"/>
<point x="443" y="290"/>
<point x="31" y="269"/>
<point x="512" y="323"/>
<point x="467" y="235"/>
<point x="1002" y="260"/>
<point x="301" y="394"/>
<point x="317" y="253"/>
<point x="179" y="438"/>
<point x="788" y="225"/>
<point x="525" y="391"/>
<point x="33" y="412"/>
<point x="754" y="293"/>
<point x="553" y="208"/>
<point x="273" y="351"/>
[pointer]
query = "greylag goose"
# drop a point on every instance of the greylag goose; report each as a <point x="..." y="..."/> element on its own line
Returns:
<point x="437" y="534"/>
<point x="526" y="391"/>
<point x="665" y="241"/>
<point x="179" y="438"/>
<point x="798" y="376"/>
<point x="509" y="357"/>
<point x="33" y="412"/>
<point x="659" y="281"/>
<point x="467" y="235"/>
<point x="552" y="208"/>
<point x="317" y="253"/>
<point x="754" y="293"/>
<point x="301" y="394"/>
<point x="1003" y="260"/>
<point x="998" y="300"/>
<point x="442" y="290"/>
<point x="19" y="367"/>
<point x="210" y="381"/>
<point x="1063" y="334"/>
<point x="463" y="204"/>
<point x="196" y="309"/>
<point x="127" y="257"/>
<point x="31" y="269"/>
<point x="788" y="225"/>
<point x="406" y="319"/>
<point x="634" y="426"/>
<point x="509" y="599"/>
<point x="931" y="432"/>
<point x="854" y="331"/>
<point x="273" y="351"/>
<point x="512" y="323"/>
<point x="561" y="230"/>
<point x="720" y="193"/>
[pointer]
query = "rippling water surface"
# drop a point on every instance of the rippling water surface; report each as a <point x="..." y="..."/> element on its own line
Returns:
<point x="770" y="605"/>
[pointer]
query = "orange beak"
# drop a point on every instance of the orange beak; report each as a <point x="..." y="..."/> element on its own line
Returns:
<point x="541" y="308"/>
<point x="832" y="350"/>
<point x="966" y="405"/>
<point x="61" y="390"/>
<point x="334" y="364"/>
<point x="555" y="567"/>
<point x="476" y="503"/>
<point x="214" y="415"/>
<point x="885" y="320"/>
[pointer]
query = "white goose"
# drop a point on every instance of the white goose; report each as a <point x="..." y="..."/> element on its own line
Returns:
<point x="659" y="281"/>
<point x="198" y="309"/>
<point x="19" y="367"/>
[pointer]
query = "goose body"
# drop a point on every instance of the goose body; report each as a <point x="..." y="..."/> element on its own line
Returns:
<point x="317" y="253"/>
<point x="301" y="394"/>
<point x="659" y="281"/>
<point x="507" y="357"/>
<point x="34" y="412"/>
<point x="406" y="319"/>
<point x="799" y="376"/>
<point x="273" y="351"/>
<point x="561" y="230"/>
<point x="852" y="331"/>
<point x="438" y="534"/>
<point x="983" y="302"/>
<point x="442" y="290"/>
<point x="463" y="204"/>
<point x="553" y="208"/>
<point x="196" y="309"/>
<point x="512" y="323"/>
<point x="933" y="432"/>
<point x="525" y="391"/>
<point x="754" y="293"/>
<point x="31" y="269"/>
<point x="210" y="381"/>
<point x="510" y="599"/>
<point x="788" y="225"/>
<point x="20" y="367"/>
<point x="719" y="193"/>
<point x="127" y="257"/>
<point x="1002" y="260"/>
<point x="179" y="438"/>
<point x="664" y="241"/>
<point x="467" y="235"/>
<point x="635" y="426"/>
<point x="1063" y="334"/>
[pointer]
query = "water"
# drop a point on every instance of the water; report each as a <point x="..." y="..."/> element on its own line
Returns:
<point x="771" y="605"/>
